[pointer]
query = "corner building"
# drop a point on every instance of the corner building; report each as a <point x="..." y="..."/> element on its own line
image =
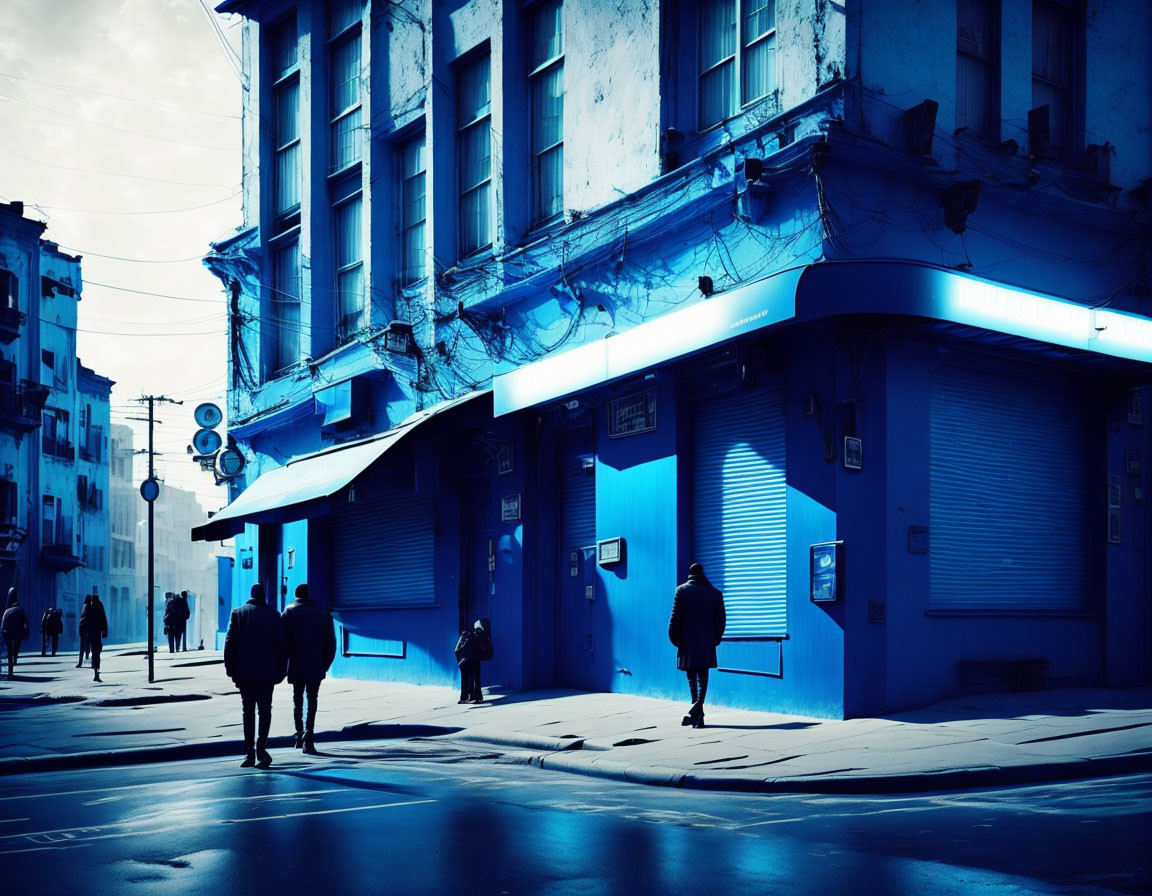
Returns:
<point x="536" y="303"/>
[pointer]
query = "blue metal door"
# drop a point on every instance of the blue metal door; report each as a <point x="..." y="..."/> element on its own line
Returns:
<point x="1008" y="491"/>
<point x="739" y="508"/>
<point x="576" y="567"/>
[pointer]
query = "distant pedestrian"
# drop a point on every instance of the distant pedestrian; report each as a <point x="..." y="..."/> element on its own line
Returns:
<point x="84" y="644"/>
<point x="254" y="659"/>
<point x="696" y="627"/>
<point x="14" y="627"/>
<point x="310" y="645"/>
<point x="170" y="615"/>
<point x="94" y="623"/>
<point x="184" y="612"/>
<point x="474" y="646"/>
<point x="51" y="625"/>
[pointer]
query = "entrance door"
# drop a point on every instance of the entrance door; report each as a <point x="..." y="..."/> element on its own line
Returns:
<point x="271" y="571"/>
<point x="576" y="565"/>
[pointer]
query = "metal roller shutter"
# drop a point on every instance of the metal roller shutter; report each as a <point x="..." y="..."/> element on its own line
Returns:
<point x="384" y="553"/>
<point x="577" y="491"/>
<point x="1008" y="493"/>
<point x="739" y="503"/>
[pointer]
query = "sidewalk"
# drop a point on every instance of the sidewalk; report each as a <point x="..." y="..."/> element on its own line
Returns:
<point x="54" y="716"/>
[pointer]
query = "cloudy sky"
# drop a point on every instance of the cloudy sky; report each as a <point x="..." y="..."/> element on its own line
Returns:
<point x="119" y="126"/>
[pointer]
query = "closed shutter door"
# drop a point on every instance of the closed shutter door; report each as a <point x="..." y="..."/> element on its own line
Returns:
<point x="383" y="553"/>
<point x="577" y="491"/>
<point x="739" y="505"/>
<point x="1008" y="493"/>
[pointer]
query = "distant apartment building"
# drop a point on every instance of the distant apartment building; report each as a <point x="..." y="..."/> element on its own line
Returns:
<point x="125" y="602"/>
<point x="54" y="422"/>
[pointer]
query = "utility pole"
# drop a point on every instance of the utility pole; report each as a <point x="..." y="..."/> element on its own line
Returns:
<point x="150" y="491"/>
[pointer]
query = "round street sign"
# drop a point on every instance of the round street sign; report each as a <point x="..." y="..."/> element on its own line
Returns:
<point x="207" y="441"/>
<point x="207" y="416"/>
<point x="149" y="490"/>
<point x="230" y="462"/>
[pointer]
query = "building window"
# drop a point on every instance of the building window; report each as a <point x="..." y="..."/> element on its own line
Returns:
<point x="9" y="507"/>
<point x="49" y="519"/>
<point x="413" y="210"/>
<point x="349" y="267"/>
<point x="737" y="47"/>
<point x="54" y="434"/>
<point x="286" y="113"/>
<point x="547" y="86"/>
<point x="47" y="367"/>
<point x="474" y="153"/>
<point x="9" y="291"/>
<point x="286" y="306"/>
<point x="1053" y="55"/>
<point x="344" y="77"/>
<point x="977" y="72"/>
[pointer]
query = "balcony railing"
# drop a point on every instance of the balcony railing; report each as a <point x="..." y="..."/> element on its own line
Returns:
<point x="21" y="406"/>
<point x="60" y="556"/>
<point x="11" y="537"/>
<point x="11" y="320"/>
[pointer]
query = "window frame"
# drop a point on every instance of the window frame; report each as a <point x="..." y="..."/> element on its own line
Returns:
<point x="344" y="334"/>
<point x="536" y="76"/>
<point x="1072" y="90"/>
<point x="990" y="59"/>
<point x="408" y="276"/>
<point x="483" y="120"/>
<point x="283" y="80"/>
<point x="738" y="60"/>
<point x="352" y="32"/>
<point x="277" y="366"/>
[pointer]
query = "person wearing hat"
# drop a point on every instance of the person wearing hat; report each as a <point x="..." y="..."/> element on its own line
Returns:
<point x="695" y="628"/>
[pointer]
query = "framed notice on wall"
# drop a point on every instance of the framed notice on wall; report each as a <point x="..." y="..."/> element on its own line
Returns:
<point x="632" y="415"/>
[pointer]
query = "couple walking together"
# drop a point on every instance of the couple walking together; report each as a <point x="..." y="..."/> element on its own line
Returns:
<point x="261" y="647"/>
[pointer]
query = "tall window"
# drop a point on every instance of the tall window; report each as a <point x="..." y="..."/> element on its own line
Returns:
<point x="474" y="153"/>
<point x="286" y="125"/>
<point x="286" y="306"/>
<point x="737" y="56"/>
<point x="977" y="81"/>
<point x="9" y="291"/>
<point x="1053" y="54"/>
<point x="344" y="52"/>
<point x="49" y="514"/>
<point x="413" y="210"/>
<point x="547" y="84"/>
<point x="349" y="267"/>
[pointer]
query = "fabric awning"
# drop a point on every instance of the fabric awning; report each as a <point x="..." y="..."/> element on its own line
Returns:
<point x="311" y="478"/>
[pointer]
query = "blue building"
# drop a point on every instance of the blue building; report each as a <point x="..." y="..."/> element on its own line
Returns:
<point x="536" y="303"/>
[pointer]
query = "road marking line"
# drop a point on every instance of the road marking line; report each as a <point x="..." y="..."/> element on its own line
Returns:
<point x="325" y="812"/>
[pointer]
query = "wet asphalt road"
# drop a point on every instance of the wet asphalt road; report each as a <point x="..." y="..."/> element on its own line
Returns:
<point x="429" y="817"/>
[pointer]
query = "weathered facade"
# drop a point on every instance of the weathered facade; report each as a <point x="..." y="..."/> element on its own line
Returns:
<point x="125" y="604"/>
<point x="54" y="417"/>
<point x="534" y="304"/>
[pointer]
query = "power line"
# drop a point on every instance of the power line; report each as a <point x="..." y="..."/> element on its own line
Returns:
<point x="113" y="127"/>
<point x="166" y="211"/>
<point x="119" y="96"/>
<point x="158" y="180"/>
<point x="156" y="295"/>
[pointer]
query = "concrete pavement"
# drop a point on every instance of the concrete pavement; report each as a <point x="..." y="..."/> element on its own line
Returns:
<point x="54" y="716"/>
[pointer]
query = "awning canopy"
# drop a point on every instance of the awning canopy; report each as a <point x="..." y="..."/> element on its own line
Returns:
<point x="293" y="490"/>
<point x="821" y="290"/>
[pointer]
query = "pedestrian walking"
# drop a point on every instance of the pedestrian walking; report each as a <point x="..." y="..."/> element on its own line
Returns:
<point x="52" y="625"/>
<point x="14" y="627"/>
<point x="94" y="623"/>
<point x="44" y="631"/>
<point x="310" y="645"/>
<point x="84" y="644"/>
<point x="474" y="646"/>
<point x="183" y="614"/>
<point x="695" y="628"/>
<point x="170" y="614"/>
<point x="254" y="659"/>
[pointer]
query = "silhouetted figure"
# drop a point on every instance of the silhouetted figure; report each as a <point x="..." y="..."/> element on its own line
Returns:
<point x="84" y="645"/>
<point x="474" y="646"/>
<point x="184" y="612"/>
<point x="310" y="644"/>
<point x="696" y="627"/>
<point x="94" y="623"/>
<point x="14" y="627"/>
<point x="170" y="614"/>
<point x="254" y="659"/>
<point x="51" y="627"/>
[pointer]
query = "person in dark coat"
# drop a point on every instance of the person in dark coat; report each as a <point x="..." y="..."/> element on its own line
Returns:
<point x="696" y="627"/>
<point x="94" y="624"/>
<point x="474" y="646"/>
<point x="310" y="645"/>
<point x="183" y="612"/>
<point x="170" y="615"/>
<point x="14" y="627"/>
<point x="254" y="658"/>
<point x="51" y="627"/>
<point x="84" y="646"/>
